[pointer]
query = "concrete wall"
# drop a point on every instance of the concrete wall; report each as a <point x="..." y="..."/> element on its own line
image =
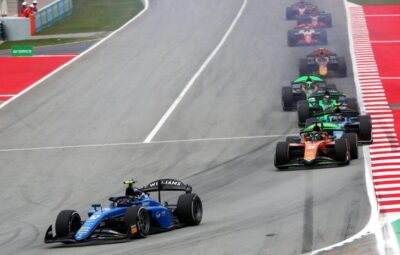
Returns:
<point x="17" y="28"/>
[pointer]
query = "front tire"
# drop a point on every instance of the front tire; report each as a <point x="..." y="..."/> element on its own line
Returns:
<point x="342" y="151"/>
<point x="137" y="222"/>
<point x="189" y="209"/>
<point x="352" y="140"/>
<point x="303" y="112"/>
<point x="68" y="222"/>
<point x="342" y="67"/>
<point x="282" y="156"/>
<point x="303" y="68"/>
<point x="287" y="98"/>
<point x="365" y="128"/>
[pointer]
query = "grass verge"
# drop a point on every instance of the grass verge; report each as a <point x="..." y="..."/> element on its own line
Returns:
<point x="375" y="2"/>
<point x="41" y="42"/>
<point x="96" y="16"/>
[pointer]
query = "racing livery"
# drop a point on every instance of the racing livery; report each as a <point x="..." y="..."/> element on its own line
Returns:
<point x="315" y="19"/>
<point x="348" y="120"/>
<point x="301" y="88"/>
<point x="315" y="147"/>
<point x="134" y="215"/>
<point x="299" y="9"/>
<point x="307" y="36"/>
<point x="324" y="63"/>
<point x="323" y="102"/>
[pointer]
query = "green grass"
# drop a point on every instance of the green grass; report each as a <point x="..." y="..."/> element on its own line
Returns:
<point x="40" y="42"/>
<point x="95" y="16"/>
<point x="375" y="2"/>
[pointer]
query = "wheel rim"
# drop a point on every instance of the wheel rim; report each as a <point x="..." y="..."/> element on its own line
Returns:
<point x="143" y="222"/>
<point x="197" y="210"/>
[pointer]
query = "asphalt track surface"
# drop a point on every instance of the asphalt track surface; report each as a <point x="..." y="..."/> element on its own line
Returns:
<point x="119" y="91"/>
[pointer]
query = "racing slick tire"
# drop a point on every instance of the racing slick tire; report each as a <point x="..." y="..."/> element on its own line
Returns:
<point x="289" y="13"/>
<point x="303" y="112"/>
<point x="342" y="67"/>
<point x="352" y="141"/>
<point x="342" y="151"/>
<point x="291" y="38"/>
<point x="137" y="222"/>
<point x="303" y="67"/>
<point x="331" y="87"/>
<point x="365" y="128"/>
<point x="282" y="156"/>
<point x="352" y="104"/>
<point x="189" y="209"/>
<point x="328" y="19"/>
<point x="323" y="37"/>
<point x="68" y="222"/>
<point x="287" y="98"/>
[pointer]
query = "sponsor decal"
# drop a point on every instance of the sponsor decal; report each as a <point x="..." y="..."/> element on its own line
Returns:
<point x="134" y="229"/>
<point x="166" y="182"/>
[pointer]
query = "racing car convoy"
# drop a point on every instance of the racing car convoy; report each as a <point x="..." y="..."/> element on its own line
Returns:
<point x="333" y="128"/>
<point x="331" y="121"/>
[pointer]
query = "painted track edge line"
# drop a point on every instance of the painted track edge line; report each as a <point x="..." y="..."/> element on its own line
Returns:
<point x="146" y="7"/>
<point x="373" y="223"/>
<point x="203" y="66"/>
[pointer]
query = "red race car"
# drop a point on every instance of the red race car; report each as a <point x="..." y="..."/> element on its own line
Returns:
<point x="307" y="36"/>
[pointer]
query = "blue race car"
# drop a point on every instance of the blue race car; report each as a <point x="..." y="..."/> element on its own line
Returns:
<point x="134" y="215"/>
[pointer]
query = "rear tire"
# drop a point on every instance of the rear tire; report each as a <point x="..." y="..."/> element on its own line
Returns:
<point x="68" y="222"/>
<point x="303" y="67"/>
<point x="323" y="37"/>
<point x="365" y="129"/>
<point x="328" y="20"/>
<point x="189" y="209"/>
<point x="352" y="104"/>
<point x="342" y="67"/>
<point x="287" y="98"/>
<point x="303" y="112"/>
<point x="291" y="38"/>
<point x="282" y="156"/>
<point x="289" y="13"/>
<point x="341" y="151"/>
<point x="352" y="141"/>
<point x="331" y="87"/>
<point x="137" y="222"/>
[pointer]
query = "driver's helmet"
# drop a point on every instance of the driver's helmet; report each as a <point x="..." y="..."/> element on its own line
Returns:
<point x="307" y="28"/>
<point x="326" y="98"/>
<point x="309" y="83"/>
<point x="314" y="136"/>
<point x="339" y="118"/>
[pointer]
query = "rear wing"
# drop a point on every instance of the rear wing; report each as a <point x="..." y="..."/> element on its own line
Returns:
<point x="167" y="185"/>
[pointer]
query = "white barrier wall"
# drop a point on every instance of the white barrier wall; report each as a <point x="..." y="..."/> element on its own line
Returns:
<point x="16" y="28"/>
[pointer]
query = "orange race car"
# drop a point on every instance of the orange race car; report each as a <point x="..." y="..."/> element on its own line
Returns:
<point x="316" y="147"/>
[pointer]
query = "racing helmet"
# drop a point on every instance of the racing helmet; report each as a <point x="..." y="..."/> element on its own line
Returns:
<point x="24" y="4"/>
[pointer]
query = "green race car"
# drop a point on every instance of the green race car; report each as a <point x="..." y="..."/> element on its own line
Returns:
<point x="301" y="88"/>
<point x="324" y="102"/>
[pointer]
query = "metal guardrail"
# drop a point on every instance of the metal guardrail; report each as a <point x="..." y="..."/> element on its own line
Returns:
<point x="52" y="13"/>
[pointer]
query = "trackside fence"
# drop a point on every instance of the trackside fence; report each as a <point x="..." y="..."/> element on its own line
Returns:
<point x="51" y="13"/>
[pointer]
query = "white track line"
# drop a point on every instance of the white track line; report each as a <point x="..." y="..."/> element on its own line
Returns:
<point x="146" y="6"/>
<point x="196" y="75"/>
<point x="142" y="143"/>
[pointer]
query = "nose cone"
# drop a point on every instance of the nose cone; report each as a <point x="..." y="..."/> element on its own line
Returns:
<point x="309" y="161"/>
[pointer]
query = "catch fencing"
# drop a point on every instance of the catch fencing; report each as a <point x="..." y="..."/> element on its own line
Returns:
<point x="52" y="13"/>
